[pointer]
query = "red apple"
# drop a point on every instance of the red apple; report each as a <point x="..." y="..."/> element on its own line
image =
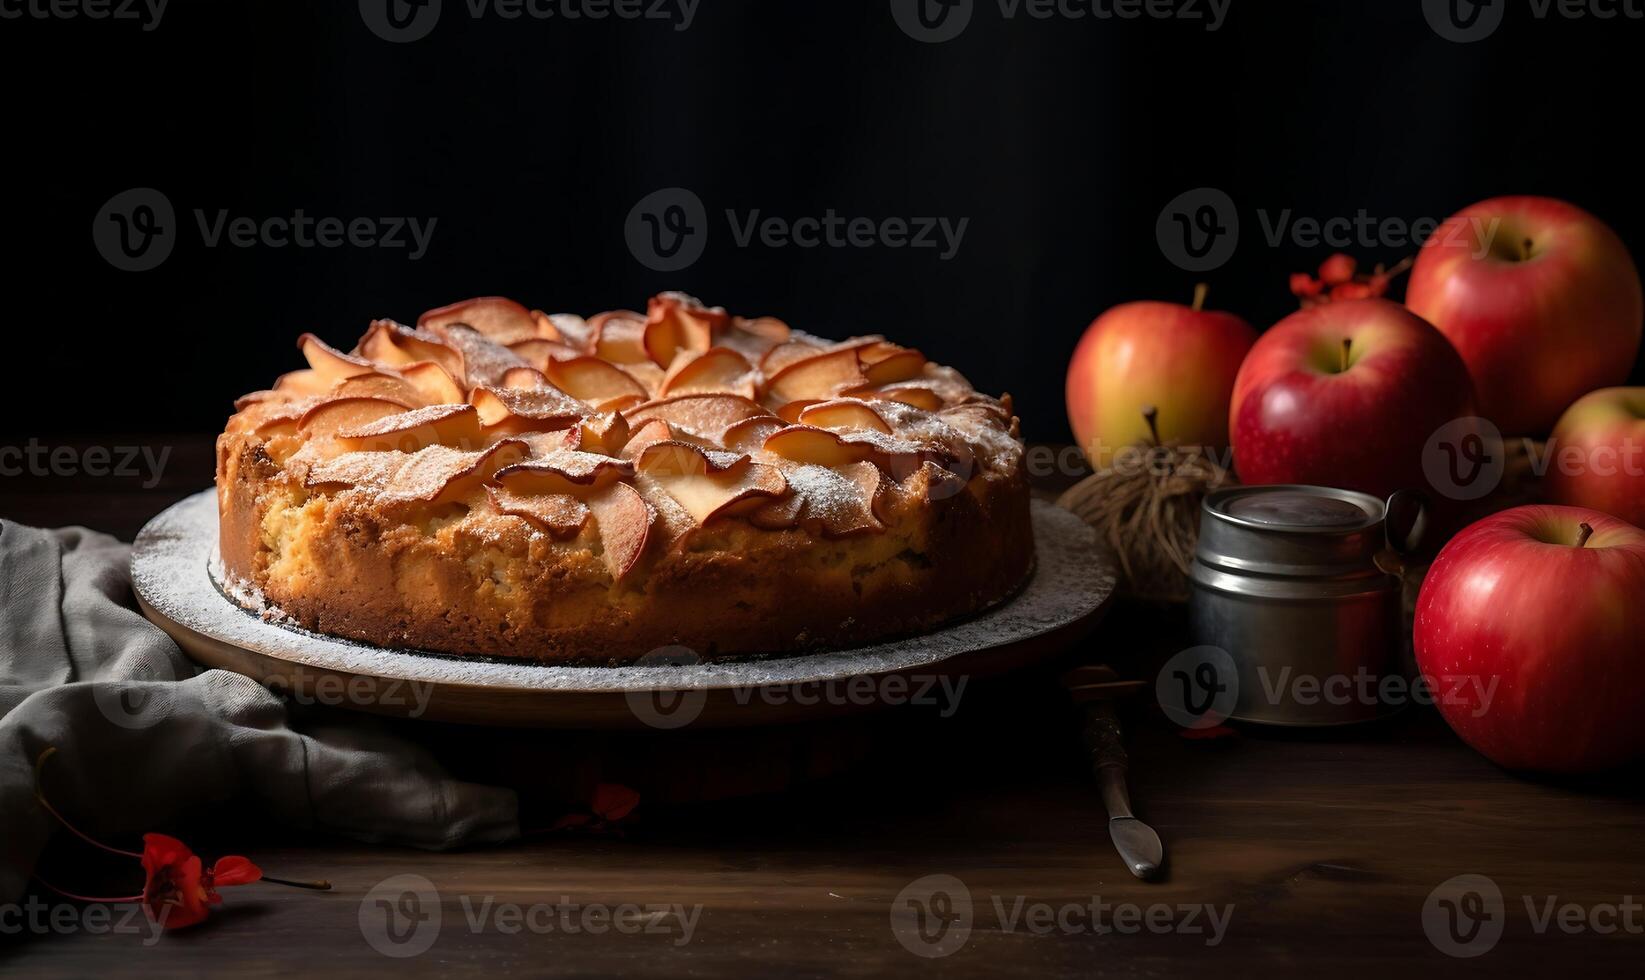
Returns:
<point x="1597" y="454"/>
<point x="1528" y="634"/>
<point x="1541" y="299"/>
<point x="1178" y="359"/>
<point x="1345" y="395"/>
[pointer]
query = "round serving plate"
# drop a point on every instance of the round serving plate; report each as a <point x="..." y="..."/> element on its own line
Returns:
<point x="1070" y="587"/>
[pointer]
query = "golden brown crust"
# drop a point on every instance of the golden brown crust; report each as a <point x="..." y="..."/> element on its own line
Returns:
<point x="732" y="561"/>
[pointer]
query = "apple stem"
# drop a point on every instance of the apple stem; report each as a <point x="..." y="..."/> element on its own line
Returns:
<point x="1347" y="345"/>
<point x="1527" y="254"/>
<point x="1584" y="532"/>
<point x="1200" y="289"/>
<point x="1150" y="414"/>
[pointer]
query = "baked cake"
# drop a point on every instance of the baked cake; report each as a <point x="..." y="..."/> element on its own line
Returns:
<point x="500" y="482"/>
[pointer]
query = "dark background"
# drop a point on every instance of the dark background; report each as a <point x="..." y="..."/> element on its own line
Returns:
<point x="530" y="141"/>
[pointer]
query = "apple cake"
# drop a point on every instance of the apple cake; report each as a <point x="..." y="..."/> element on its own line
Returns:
<point x="500" y="482"/>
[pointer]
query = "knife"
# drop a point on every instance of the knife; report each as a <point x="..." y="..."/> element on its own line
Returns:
<point x="1137" y="843"/>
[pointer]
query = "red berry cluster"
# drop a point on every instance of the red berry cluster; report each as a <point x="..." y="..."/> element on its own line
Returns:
<point x="1339" y="279"/>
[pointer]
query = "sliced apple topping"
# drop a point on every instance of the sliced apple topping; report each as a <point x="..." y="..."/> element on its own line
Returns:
<point x="601" y="384"/>
<point x="511" y="410"/>
<point x="395" y="345"/>
<point x="918" y="397"/>
<point x="432" y="475"/>
<point x="457" y="426"/>
<point x="568" y="471"/>
<point x="330" y="363"/>
<point x="499" y="319"/>
<point x="822" y="376"/>
<point x="539" y="353"/>
<point x="525" y="377"/>
<point x="329" y="417"/>
<point x="791" y="352"/>
<point x="277" y="416"/>
<point x="709" y="484"/>
<point x="768" y="328"/>
<point x="885" y="363"/>
<point x="808" y="444"/>
<point x="648" y="434"/>
<point x="484" y="362"/>
<point x="675" y="322"/>
<point x="835" y="502"/>
<point x="566" y="328"/>
<point x="844" y="415"/>
<point x="714" y="371"/>
<point x="705" y="416"/>
<point x="434" y="383"/>
<point x="560" y="514"/>
<point x="624" y="521"/>
<point x="604" y="432"/>
<point x="378" y="385"/>
<point x="619" y="337"/>
<point x="543" y="444"/>
<point x="749" y="435"/>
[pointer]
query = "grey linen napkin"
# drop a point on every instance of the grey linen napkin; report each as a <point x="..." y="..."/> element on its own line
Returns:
<point x="143" y="735"/>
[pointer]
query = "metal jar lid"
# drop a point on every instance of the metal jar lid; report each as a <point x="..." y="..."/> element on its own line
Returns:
<point x="1291" y="530"/>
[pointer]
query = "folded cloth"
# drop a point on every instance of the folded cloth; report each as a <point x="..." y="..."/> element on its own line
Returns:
<point x="143" y="735"/>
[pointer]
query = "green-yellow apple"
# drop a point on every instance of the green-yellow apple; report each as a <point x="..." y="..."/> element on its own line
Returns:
<point x="1541" y="299"/>
<point x="1179" y="360"/>
<point x="1528" y="636"/>
<point x="1345" y="395"/>
<point x="1596" y="457"/>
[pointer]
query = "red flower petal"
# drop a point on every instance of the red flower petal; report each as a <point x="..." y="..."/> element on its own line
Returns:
<point x="234" y="870"/>
<point x="613" y="801"/>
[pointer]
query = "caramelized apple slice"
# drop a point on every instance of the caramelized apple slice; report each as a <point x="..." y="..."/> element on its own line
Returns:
<point x="844" y="415"/>
<point x="705" y="416"/>
<point x="543" y="444"/>
<point x="499" y="319"/>
<point x="511" y="410"/>
<point x="675" y="322"/>
<point x="791" y="352"/>
<point x="329" y="417"/>
<point x="379" y="385"/>
<point x="648" y="434"/>
<point x="396" y="345"/>
<point x="329" y="362"/>
<point x="525" y="377"/>
<point x="438" y="474"/>
<point x="835" y="502"/>
<point x="808" y="444"/>
<point x="749" y="435"/>
<point x="484" y="362"/>
<point x="619" y="337"/>
<point x="706" y="483"/>
<point x="918" y="397"/>
<point x="369" y="470"/>
<point x="560" y="514"/>
<point x="899" y="364"/>
<point x="790" y="411"/>
<point x="604" y="432"/>
<point x="624" y="521"/>
<point x="564" y="328"/>
<point x="594" y="381"/>
<point x="768" y="328"/>
<point x="539" y="353"/>
<point x="457" y="426"/>
<point x="714" y="371"/>
<point x="568" y="471"/>
<point x="275" y="416"/>
<point x="433" y="383"/>
<point x="822" y="376"/>
<point x="305" y="382"/>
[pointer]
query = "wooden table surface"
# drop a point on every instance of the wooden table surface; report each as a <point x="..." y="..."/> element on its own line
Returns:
<point x="1290" y="854"/>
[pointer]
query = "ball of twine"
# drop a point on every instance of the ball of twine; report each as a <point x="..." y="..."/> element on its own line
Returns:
<point x="1146" y="506"/>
